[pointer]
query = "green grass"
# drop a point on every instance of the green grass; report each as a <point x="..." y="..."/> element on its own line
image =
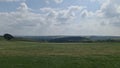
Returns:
<point x="23" y="54"/>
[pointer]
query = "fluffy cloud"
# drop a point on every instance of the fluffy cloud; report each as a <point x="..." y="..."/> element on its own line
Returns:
<point x="74" y="20"/>
<point x="62" y="15"/>
<point x="25" y="21"/>
<point x="104" y="21"/>
<point x="110" y="11"/>
<point x="20" y="21"/>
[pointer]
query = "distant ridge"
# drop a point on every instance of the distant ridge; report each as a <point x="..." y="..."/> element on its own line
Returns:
<point x="71" y="38"/>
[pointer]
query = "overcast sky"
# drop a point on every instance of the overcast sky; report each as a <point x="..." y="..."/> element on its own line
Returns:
<point x="60" y="17"/>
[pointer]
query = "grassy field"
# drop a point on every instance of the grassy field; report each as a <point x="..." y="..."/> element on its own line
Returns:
<point x="21" y="54"/>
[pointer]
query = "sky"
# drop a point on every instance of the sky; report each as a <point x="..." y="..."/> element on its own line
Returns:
<point x="60" y="17"/>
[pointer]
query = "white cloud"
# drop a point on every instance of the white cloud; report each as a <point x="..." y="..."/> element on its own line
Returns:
<point x="23" y="8"/>
<point x="62" y="15"/>
<point x="25" y="22"/>
<point x="74" y="20"/>
<point x="110" y="11"/>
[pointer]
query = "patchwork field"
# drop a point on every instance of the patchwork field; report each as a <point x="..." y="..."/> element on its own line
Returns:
<point x="24" y="54"/>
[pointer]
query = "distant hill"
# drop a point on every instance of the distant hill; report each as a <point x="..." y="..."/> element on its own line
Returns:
<point x="39" y="38"/>
<point x="71" y="38"/>
<point x="66" y="38"/>
<point x="104" y="37"/>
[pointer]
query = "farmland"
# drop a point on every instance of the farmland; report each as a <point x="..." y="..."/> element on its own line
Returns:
<point x="25" y="54"/>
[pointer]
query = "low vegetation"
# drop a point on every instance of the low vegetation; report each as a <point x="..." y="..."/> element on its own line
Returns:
<point x="25" y="54"/>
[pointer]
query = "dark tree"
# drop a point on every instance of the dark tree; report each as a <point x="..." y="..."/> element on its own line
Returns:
<point x="8" y="36"/>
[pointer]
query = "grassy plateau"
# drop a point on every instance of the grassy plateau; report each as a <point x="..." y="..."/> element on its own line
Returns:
<point x="25" y="54"/>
